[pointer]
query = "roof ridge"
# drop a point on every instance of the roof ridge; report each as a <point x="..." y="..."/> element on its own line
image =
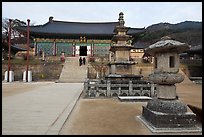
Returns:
<point x="84" y="22"/>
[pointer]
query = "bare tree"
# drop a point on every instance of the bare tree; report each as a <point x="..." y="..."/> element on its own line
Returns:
<point x="14" y="23"/>
<point x="14" y="33"/>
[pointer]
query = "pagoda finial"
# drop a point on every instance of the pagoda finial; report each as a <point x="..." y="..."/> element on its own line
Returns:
<point x="121" y="20"/>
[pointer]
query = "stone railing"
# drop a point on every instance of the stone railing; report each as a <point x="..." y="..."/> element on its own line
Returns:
<point x="105" y="88"/>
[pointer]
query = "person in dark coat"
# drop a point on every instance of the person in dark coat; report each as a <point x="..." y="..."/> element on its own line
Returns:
<point x="84" y="60"/>
<point x="80" y="61"/>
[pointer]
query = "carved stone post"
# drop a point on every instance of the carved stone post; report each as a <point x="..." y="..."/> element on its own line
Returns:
<point x="86" y="86"/>
<point x="108" y="88"/>
<point x="130" y="88"/>
<point x="152" y="92"/>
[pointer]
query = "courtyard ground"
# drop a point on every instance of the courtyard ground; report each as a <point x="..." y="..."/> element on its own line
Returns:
<point x="46" y="108"/>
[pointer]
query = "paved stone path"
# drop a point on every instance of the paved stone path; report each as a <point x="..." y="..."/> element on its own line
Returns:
<point x="40" y="111"/>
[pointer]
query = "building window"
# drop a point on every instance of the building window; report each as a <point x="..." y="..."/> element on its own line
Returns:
<point x="171" y="61"/>
<point x="155" y="62"/>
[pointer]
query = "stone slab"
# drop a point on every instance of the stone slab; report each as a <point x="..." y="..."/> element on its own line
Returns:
<point x="153" y="129"/>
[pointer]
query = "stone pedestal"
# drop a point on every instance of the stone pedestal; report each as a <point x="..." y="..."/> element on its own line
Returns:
<point x="29" y="76"/>
<point x="11" y="76"/>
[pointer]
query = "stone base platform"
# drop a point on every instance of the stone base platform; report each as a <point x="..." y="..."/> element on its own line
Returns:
<point x="153" y="129"/>
<point x="163" y="122"/>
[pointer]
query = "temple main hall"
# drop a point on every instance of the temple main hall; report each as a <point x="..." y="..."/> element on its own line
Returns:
<point x="75" y="38"/>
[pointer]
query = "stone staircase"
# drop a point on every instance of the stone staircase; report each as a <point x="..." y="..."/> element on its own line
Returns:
<point x="72" y="72"/>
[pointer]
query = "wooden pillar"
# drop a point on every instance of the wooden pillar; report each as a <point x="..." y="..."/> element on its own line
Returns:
<point x="36" y="48"/>
<point x="43" y="55"/>
<point x="28" y="31"/>
<point x="92" y="49"/>
<point x="73" y="49"/>
<point x="9" y="44"/>
<point x="110" y="54"/>
<point x="54" y="44"/>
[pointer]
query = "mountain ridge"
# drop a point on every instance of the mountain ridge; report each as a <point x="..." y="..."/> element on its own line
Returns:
<point x="181" y="25"/>
<point x="189" y="32"/>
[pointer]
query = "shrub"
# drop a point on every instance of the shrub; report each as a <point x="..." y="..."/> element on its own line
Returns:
<point x="91" y="59"/>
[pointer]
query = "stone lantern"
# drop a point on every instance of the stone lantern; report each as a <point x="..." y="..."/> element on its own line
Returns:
<point x="166" y="111"/>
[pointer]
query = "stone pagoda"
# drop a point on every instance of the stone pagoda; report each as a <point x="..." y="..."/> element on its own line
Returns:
<point x="121" y="80"/>
<point x="166" y="113"/>
<point x="120" y="65"/>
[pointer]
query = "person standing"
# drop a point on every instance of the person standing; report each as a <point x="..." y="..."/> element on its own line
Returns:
<point x="80" y="61"/>
<point x="84" y="60"/>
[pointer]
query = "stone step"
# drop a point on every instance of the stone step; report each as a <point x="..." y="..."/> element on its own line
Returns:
<point x="70" y="81"/>
<point x="134" y="98"/>
<point x="72" y="72"/>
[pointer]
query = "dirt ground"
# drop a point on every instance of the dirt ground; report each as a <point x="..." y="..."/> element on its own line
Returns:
<point x="112" y="117"/>
<point x="190" y="94"/>
<point x="104" y="117"/>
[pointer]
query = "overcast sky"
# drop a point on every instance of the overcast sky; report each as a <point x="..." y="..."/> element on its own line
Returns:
<point x="136" y="14"/>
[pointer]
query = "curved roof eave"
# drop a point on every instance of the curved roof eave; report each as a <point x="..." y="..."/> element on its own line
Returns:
<point x="135" y="31"/>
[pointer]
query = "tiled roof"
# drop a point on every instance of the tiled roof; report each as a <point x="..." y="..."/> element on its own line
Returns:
<point x="14" y="47"/>
<point x="17" y="48"/>
<point x="77" y="28"/>
<point x="195" y="49"/>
